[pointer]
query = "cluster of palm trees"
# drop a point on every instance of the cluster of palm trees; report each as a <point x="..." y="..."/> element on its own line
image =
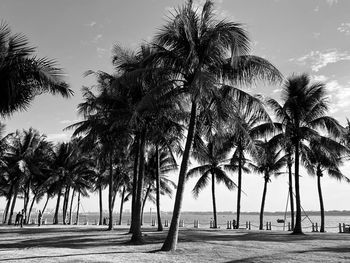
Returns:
<point x="180" y="96"/>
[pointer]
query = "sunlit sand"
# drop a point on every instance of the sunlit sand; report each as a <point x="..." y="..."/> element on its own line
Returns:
<point x="95" y="244"/>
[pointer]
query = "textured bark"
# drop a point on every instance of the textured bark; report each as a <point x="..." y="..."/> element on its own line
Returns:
<point x="55" y="218"/>
<point x="261" y="225"/>
<point x="144" y="202"/>
<point x="14" y="199"/>
<point x="159" y="220"/>
<point x="297" y="227"/>
<point x="239" y="193"/>
<point x="137" y="234"/>
<point x="110" y="192"/>
<point x="70" y="208"/>
<point x="134" y="184"/>
<point x="121" y="205"/>
<point x="172" y="237"/>
<point x="78" y="208"/>
<point x="100" y="222"/>
<point x="291" y="197"/>
<point x="215" y="224"/>
<point x="7" y="208"/>
<point x="319" y="174"/>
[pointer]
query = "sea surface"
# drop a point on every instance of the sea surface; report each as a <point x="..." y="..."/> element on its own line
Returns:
<point x="332" y="219"/>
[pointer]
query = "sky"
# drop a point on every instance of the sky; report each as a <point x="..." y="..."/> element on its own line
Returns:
<point x="297" y="36"/>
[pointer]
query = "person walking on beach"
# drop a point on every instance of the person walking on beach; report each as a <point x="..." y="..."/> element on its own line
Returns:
<point x="22" y="218"/>
<point x="39" y="218"/>
<point x="18" y="218"/>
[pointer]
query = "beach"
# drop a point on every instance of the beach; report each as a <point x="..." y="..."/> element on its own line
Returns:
<point x="94" y="244"/>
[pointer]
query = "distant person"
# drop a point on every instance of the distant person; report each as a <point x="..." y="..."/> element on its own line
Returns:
<point x="40" y="215"/>
<point x="22" y="218"/>
<point x="234" y="224"/>
<point x="18" y="216"/>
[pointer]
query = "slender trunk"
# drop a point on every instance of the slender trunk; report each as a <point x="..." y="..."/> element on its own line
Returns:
<point x="13" y="205"/>
<point x="297" y="227"/>
<point x="291" y="197"/>
<point x="172" y="237"/>
<point x="101" y="208"/>
<point x="9" y="198"/>
<point x="110" y="191"/>
<point x="239" y="192"/>
<point x="319" y="174"/>
<point x="55" y="218"/>
<point x="215" y="225"/>
<point x="134" y="184"/>
<point x="159" y="220"/>
<point x="137" y="234"/>
<point x="121" y="205"/>
<point x="261" y="225"/>
<point x="78" y="207"/>
<point x="30" y="209"/>
<point x="26" y="202"/>
<point x="144" y="202"/>
<point x="47" y="200"/>
<point x="65" y="204"/>
<point x="70" y="208"/>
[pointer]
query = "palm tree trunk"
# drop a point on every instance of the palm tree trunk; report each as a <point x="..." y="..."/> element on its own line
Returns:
<point x="172" y="237"/>
<point x="239" y="193"/>
<point x="70" y="208"/>
<point x="134" y="184"/>
<point x="30" y="208"/>
<point x="215" y="225"/>
<point x="291" y="197"/>
<point x="297" y="227"/>
<point x="319" y="174"/>
<point x="26" y="202"/>
<point x="9" y="198"/>
<point x="137" y="234"/>
<point x="55" y="218"/>
<point x="121" y="205"/>
<point x="144" y="202"/>
<point x="47" y="200"/>
<point x="159" y="220"/>
<point x="101" y="208"/>
<point x="110" y="191"/>
<point x="13" y="205"/>
<point x="65" y="204"/>
<point x="261" y="225"/>
<point x="78" y="207"/>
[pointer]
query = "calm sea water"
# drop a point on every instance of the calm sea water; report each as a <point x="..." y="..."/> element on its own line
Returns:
<point x="332" y="220"/>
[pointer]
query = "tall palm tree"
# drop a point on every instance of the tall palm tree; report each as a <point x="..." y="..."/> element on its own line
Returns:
<point x="23" y="75"/>
<point x="303" y="113"/>
<point x="213" y="161"/>
<point x="194" y="44"/>
<point x="268" y="161"/>
<point x="323" y="155"/>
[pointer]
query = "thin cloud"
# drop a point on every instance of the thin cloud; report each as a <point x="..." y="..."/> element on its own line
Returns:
<point x="331" y="2"/>
<point x="101" y="52"/>
<point x="97" y="38"/>
<point x="318" y="59"/>
<point x="58" y="137"/>
<point x="344" y="28"/>
<point x="339" y="96"/>
<point x="92" y="24"/>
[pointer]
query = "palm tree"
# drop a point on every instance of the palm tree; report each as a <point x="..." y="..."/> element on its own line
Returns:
<point x="323" y="155"/>
<point x="23" y="75"/>
<point x="212" y="158"/>
<point x="302" y="113"/>
<point x="194" y="44"/>
<point x="268" y="161"/>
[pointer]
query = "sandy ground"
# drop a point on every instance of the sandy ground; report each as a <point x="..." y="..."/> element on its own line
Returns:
<point x="95" y="244"/>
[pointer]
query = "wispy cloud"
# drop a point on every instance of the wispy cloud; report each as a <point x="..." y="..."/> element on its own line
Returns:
<point x="331" y="2"/>
<point x="101" y="52"/>
<point x="344" y="28"/>
<point x="92" y="24"/>
<point x="97" y="38"/>
<point x="319" y="78"/>
<point x="317" y="8"/>
<point x="339" y="96"/>
<point x="68" y="121"/>
<point x="318" y="59"/>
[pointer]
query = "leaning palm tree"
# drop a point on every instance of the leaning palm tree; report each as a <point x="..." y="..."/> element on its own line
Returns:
<point x="323" y="155"/>
<point x="200" y="50"/>
<point x="23" y="75"/>
<point x="302" y="114"/>
<point x="213" y="161"/>
<point x="268" y="161"/>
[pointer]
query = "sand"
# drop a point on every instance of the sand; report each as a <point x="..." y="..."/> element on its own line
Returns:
<point x="95" y="244"/>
